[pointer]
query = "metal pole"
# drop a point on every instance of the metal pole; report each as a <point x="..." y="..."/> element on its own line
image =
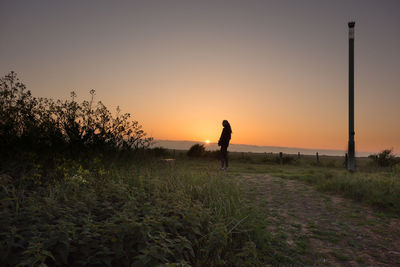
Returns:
<point x="351" y="150"/>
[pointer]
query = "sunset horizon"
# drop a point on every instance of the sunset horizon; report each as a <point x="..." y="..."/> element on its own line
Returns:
<point x="248" y="147"/>
<point x="276" y="71"/>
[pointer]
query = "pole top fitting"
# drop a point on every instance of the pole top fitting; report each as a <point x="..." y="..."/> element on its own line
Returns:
<point x="351" y="24"/>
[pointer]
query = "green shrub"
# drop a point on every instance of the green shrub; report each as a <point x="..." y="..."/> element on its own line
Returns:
<point x="385" y="158"/>
<point x="37" y="132"/>
<point x="46" y="123"/>
<point x="196" y="150"/>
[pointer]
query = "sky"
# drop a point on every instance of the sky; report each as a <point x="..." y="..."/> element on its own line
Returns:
<point x="276" y="70"/>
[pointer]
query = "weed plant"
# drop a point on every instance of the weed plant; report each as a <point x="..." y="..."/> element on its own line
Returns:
<point x="143" y="214"/>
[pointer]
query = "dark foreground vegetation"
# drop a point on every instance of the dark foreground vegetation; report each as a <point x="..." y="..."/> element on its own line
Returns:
<point x="137" y="212"/>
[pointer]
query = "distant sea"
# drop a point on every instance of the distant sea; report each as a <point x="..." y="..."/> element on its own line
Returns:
<point x="185" y="145"/>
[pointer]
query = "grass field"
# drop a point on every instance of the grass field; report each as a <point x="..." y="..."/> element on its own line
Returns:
<point x="145" y="212"/>
<point x="372" y="185"/>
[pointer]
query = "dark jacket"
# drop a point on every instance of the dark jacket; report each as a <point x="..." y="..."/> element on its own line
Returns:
<point x="225" y="136"/>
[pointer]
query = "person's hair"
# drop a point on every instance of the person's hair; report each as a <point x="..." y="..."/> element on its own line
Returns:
<point x="225" y="123"/>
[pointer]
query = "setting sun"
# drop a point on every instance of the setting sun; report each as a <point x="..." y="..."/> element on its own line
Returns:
<point x="207" y="142"/>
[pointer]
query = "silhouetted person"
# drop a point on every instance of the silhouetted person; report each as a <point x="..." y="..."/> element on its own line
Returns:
<point x="224" y="143"/>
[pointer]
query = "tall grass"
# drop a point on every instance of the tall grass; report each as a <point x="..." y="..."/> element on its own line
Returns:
<point x="377" y="189"/>
<point x="143" y="213"/>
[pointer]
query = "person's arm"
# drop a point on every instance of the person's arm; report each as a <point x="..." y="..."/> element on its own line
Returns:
<point x="221" y="138"/>
<point x="224" y="137"/>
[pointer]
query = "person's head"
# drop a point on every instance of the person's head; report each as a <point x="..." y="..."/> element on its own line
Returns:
<point x="226" y="125"/>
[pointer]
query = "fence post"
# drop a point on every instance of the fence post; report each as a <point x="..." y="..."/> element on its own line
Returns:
<point x="281" y="158"/>
<point x="317" y="158"/>
<point x="298" y="155"/>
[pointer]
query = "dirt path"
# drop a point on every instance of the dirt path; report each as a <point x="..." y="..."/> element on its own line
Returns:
<point x="325" y="229"/>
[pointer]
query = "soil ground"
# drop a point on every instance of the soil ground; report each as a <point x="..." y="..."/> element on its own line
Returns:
<point x="325" y="229"/>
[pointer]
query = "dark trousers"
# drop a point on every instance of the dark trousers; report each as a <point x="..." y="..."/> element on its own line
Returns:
<point x="224" y="156"/>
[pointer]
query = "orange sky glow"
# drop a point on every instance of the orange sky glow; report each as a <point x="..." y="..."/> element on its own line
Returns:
<point x="276" y="70"/>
